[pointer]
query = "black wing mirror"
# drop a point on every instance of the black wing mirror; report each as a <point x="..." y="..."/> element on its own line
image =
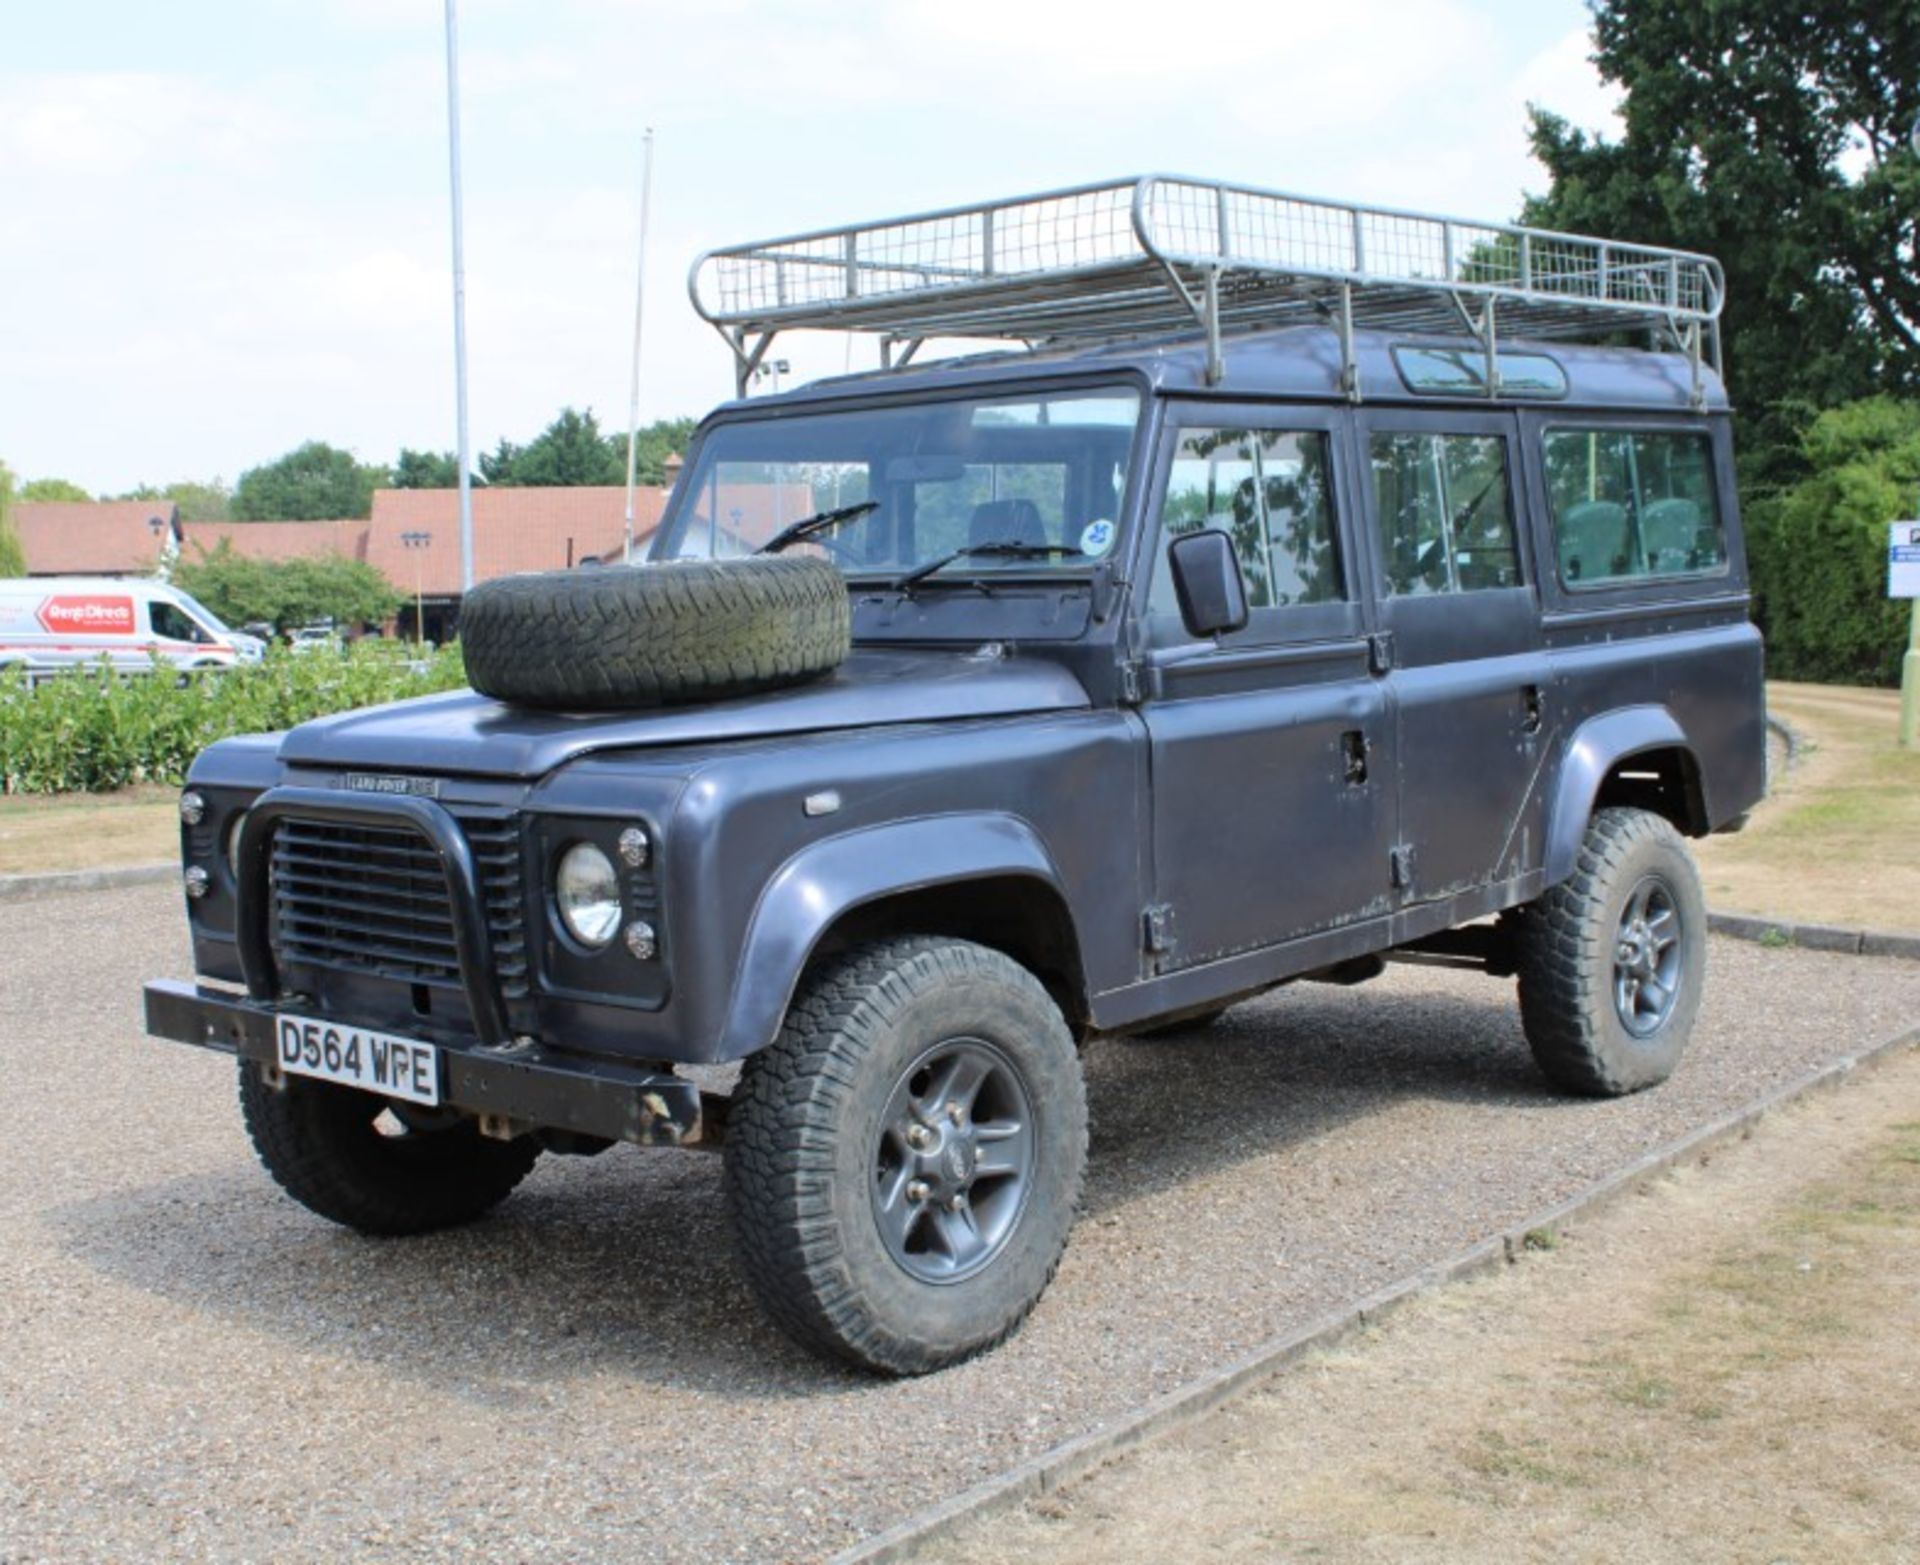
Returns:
<point x="1207" y="581"/>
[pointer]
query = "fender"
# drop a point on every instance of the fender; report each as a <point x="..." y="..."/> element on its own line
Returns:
<point x="1597" y="746"/>
<point x="827" y="879"/>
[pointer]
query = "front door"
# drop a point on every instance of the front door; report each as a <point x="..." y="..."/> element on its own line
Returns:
<point x="1271" y="748"/>
<point x="1469" y="679"/>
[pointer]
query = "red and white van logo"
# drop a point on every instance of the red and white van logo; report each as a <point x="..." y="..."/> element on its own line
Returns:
<point x="88" y="616"/>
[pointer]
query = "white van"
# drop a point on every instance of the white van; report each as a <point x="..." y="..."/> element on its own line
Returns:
<point x="57" y="622"/>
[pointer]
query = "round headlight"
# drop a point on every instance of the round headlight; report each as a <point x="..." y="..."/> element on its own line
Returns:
<point x="587" y="892"/>
<point x="193" y="807"/>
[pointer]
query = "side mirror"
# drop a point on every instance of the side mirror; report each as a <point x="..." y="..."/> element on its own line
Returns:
<point x="1206" y="580"/>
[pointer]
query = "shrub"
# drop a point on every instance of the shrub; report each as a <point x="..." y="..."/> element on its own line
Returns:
<point x="94" y="730"/>
<point x="1819" y="547"/>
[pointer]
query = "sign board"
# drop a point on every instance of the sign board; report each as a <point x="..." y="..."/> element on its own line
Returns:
<point x="1903" y="560"/>
<point x="89" y="614"/>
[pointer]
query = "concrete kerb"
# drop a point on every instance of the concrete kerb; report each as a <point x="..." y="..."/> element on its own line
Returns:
<point x="17" y="888"/>
<point x="1076" y="1458"/>
<point x="1814" y="937"/>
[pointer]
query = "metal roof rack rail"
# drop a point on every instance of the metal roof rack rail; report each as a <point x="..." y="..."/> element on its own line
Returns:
<point x="1164" y="253"/>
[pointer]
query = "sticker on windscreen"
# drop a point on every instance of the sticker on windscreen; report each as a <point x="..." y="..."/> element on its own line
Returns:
<point x="1096" y="538"/>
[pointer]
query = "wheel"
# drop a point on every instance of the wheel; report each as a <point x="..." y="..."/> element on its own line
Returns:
<point x="1612" y="961"/>
<point x="904" y="1162"/>
<point x="649" y="635"/>
<point x="375" y="1166"/>
<point x="1195" y="1023"/>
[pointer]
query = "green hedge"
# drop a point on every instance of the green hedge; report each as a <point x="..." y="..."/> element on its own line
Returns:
<point x="95" y="730"/>
<point x="1818" y="550"/>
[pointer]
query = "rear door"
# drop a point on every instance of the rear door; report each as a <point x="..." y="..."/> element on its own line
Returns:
<point x="1271" y="748"/>
<point x="1469" y="681"/>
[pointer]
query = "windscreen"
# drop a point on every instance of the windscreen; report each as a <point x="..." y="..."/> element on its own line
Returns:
<point x="1034" y="482"/>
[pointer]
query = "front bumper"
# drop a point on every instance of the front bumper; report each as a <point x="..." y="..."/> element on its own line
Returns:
<point x="515" y="1087"/>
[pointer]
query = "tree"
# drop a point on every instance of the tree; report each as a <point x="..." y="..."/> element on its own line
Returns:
<point x="570" y="450"/>
<point x="313" y="482"/>
<point x="1772" y="137"/>
<point x="210" y="502"/>
<point x="286" y="593"/>
<point x="53" y="489"/>
<point x="13" y="559"/>
<point x="1819" y="548"/>
<point x="427" y="470"/>
<point x="655" y="442"/>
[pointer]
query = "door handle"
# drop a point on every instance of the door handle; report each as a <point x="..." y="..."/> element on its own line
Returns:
<point x="1531" y="709"/>
<point x="1353" y="750"/>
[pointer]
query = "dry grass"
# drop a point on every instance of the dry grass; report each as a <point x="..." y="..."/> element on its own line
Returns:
<point x="41" y="834"/>
<point x="1839" y="841"/>
<point x="1724" y="1370"/>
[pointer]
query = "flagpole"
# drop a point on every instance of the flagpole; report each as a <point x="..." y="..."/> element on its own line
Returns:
<point x="459" y="298"/>
<point x="639" y="305"/>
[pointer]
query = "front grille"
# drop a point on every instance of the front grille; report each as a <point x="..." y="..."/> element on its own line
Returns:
<point x="373" y="899"/>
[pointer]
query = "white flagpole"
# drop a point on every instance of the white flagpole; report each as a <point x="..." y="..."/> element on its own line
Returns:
<point x="639" y="307"/>
<point x="459" y="298"/>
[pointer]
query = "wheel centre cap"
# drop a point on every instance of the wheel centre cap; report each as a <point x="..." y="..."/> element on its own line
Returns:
<point x="957" y="1160"/>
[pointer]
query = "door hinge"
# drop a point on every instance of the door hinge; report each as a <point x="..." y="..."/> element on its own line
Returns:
<point x="1400" y="861"/>
<point x="1157" y="928"/>
<point x="1380" y="652"/>
<point x="1132" y="684"/>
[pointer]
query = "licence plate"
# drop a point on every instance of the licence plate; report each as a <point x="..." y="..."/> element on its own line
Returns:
<point x="354" y="1057"/>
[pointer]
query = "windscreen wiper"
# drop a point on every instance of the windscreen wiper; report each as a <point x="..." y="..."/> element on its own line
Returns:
<point x="1008" y="549"/>
<point x="820" y="521"/>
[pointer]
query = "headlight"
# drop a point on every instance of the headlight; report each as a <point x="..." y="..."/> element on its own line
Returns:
<point x="587" y="892"/>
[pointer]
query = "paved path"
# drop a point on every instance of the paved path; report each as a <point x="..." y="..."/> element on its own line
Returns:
<point x="195" y="1368"/>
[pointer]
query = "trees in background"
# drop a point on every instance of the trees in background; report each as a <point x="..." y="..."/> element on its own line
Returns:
<point x="211" y="502"/>
<point x="427" y="470"/>
<point x="287" y="593"/>
<point x="52" y="489"/>
<point x="574" y="450"/>
<point x="312" y="482"/>
<point x="13" y="559"/>
<point x="1775" y="139"/>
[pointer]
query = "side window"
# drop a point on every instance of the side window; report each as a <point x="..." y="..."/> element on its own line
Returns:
<point x="1268" y="490"/>
<point x="1632" y="504"/>
<point x="174" y="625"/>
<point x="1445" y="512"/>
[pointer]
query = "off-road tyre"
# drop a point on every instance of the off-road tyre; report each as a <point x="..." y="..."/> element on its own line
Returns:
<point x="654" y="635"/>
<point x="324" y="1148"/>
<point x="809" y="1118"/>
<point x="1568" y="947"/>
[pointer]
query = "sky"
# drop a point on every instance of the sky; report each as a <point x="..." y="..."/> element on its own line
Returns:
<point x="224" y="224"/>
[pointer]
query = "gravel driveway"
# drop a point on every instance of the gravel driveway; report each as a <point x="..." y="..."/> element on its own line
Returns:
<point x="196" y="1368"/>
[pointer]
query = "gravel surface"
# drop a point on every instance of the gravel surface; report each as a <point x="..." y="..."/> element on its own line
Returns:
<point x="195" y="1368"/>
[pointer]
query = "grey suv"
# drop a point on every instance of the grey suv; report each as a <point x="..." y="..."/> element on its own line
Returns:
<point x="1276" y="618"/>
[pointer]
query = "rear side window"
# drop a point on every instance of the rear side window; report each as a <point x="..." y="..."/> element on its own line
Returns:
<point x="1445" y="512"/>
<point x="1267" y="489"/>
<point x="1629" y="505"/>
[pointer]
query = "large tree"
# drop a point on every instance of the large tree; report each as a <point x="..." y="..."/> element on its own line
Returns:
<point x="13" y="559"/>
<point x="652" y="445"/>
<point x="570" y="450"/>
<point x="1772" y="137"/>
<point x="53" y="489"/>
<point x="313" y="482"/>
<point x="287" y="593"/>
<point x="427" y="470"/>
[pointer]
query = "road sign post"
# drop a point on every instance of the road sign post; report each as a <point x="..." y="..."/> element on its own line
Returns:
<point x="1903" y="581"/>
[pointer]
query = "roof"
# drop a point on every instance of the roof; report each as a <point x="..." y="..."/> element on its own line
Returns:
<point x="514" y="529"/>
<point x="280" y="540"/>
<point x="92" y="537"/>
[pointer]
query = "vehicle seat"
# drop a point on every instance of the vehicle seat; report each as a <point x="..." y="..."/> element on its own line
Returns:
<point x="1670" y="529"/>
<point x="1007" y="521"/>
<point x="1593" y="540"/>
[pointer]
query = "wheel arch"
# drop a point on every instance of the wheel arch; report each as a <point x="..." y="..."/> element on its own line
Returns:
<point x="1637" y="756"/>
<point x="983" y="877"/>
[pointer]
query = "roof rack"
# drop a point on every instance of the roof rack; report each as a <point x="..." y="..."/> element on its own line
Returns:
<point x="1161" y="253"/>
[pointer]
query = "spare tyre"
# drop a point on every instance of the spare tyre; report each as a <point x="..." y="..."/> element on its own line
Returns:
<point x="687" y="630"/>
